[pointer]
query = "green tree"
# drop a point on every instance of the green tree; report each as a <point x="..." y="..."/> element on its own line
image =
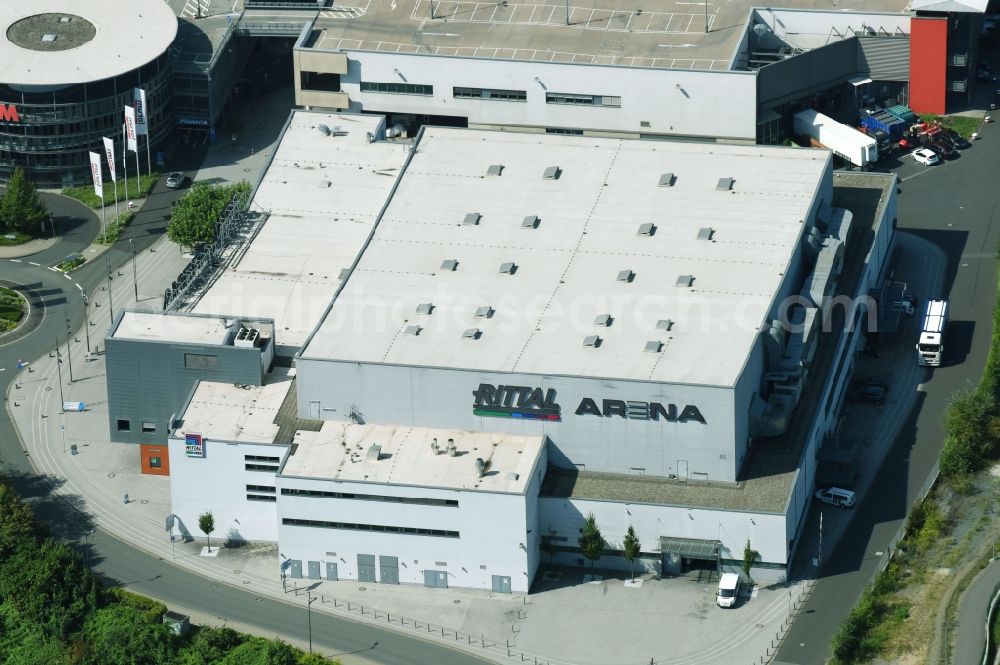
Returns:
<point x="260" y="651"/>
<point x="193" y="219"/>
<point x="208" y="646"/>
<point x="749" y="556"/>
<point x="18" y="526"/>
<point x="24" y="643"/>
<point x="21" y="209"/>
<point x="121" y="635"/>
<point x="630" y="548"/>
<point x="206" y="522"/>
<point x="972" y="432"/>
<point x="591" y="540"/>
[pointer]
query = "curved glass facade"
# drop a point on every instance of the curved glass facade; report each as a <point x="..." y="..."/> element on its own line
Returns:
<point x="57" y="126"/>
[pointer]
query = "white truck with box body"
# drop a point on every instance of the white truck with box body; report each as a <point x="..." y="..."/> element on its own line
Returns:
<point x="846" y="142"/>
<point x="930" y="346"/>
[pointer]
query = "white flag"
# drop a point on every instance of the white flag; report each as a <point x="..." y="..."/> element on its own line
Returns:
<point x="130" y="129"/>
<point x="109" y="152"/>
<point x="141" y="126"/>
<point x="95" y="171"/>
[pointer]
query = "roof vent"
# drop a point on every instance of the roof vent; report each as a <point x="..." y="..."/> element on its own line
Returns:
<point x="449" y="264"/>
<point x="484" y="312"/>
<point x="530" y="222"/>
<point x="472" y="333"/>
<point x="592" y="341"/>
<point x="625" y="276"/>
<point x="412" y="330"/>
<point x="664" y="324"/>
<point x="725" y="184"/>
<point x="603" y="320"/>
<point x="343" y="274"/>
<point x="508" y="268"/>
<point x="65" y="19"/>
<point x="495" y="169"/>
<point x="646" y="229"/>
<point x="48" y="38"/>
<point x="425" y="308"/>
<point x="705" y="233"/>
<point x="653" y="346"/>
<point x="471" y="219"/>
<point x="684" y="280"/>
<point x="666" y="180"/>
<point x="323" y="129"/>
<point x="374" y="453"/>
<point x="552" y="173"/>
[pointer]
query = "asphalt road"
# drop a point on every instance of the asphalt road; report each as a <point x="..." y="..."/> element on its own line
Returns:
<point x="954" y="206"/>
<point x="116" y="561"/>
<point x="970" y="634"/>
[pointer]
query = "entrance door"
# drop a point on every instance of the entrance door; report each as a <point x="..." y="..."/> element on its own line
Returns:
<point x="388" y="569"/>
<point x="436" y="578"/>
<point x="314" y="410"/>
<point x="314" y="570"/>
<point x="501" y="584"/>
<point x="331" y="571"/>
<point x="295" y="570"/>
<point x="682" y="469"/>
<point x="366" y="567"/>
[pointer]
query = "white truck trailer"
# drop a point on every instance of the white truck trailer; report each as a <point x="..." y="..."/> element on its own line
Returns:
<point x="930" y="346"/>
<point x="845" y="142"/>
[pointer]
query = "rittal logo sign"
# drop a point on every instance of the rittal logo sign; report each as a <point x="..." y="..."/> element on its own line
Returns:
<point x="8" y="113"/>
<point x="515" y="402"/>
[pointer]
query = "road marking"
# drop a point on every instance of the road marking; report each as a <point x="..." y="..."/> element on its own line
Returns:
<point x="53" y="269"/>
<point x="67" y="277"/>
<point x="79" y="287"/>
<point x="15" y="260"/>
<point x="441" y="34"/>
<point x="33" y="263"/>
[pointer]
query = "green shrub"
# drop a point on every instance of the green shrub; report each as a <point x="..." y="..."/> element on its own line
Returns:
<point x="70" y="262"/>
<point x="86" y="194"/>
<point x="115" y="228"/>
<point x="150" y="610"/>
<point x="193" y="219"/>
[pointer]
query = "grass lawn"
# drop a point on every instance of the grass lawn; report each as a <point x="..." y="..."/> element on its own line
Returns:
<point x="86" y="194"/>
<point x="70" y="262"/>
<point x="14" y="238"/>
<point x="960" y="123"/>
<point x="115" y="229"/>
<point x="11" y="308"/>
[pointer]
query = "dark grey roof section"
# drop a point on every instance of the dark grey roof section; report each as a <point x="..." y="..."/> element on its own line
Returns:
<point x="472" y="333"/>
<point x="653" y="346"/>
<point x="471" y="219"/>
<point x="449" y="264"/>
<point x="603" y="320"/>
<point x="530" y="222"/>
<point x="412" y="330"/>
<point x="725" y="184"/>
<point x="425" y="308"/>
<point x="646" y="229"/>
<point x="705" y="233"/>
<point x="484" y="312"/>
<point x="664" y="324"/>
<point x="344" y="272"/>
<point x="684" y="280"/>
<point x="666" y="180"/>
<point x="625" y="276"/>
<point x="495" y="169"/>
<point x="552" y="173"/>
<point x="508" y="268"/>
<point x="592" y="341"/>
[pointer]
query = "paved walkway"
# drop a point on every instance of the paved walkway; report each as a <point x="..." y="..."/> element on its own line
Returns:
<point x="26" y="249"/>
<point x="970" y="633"/>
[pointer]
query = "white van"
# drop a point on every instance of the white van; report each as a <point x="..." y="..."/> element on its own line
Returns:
<point x="729" y="590"/>
<point x="836" y="496"/>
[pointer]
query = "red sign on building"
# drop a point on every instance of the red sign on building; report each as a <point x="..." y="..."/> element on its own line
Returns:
<point x="8" y="113"/>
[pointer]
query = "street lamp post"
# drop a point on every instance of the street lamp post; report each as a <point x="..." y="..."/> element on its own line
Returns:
<point x="706" y="17"/>
<point x="567" y="12"/>
<point x="311" y="600"/>
<point x="86" y="319"/>
<point x="135" y="279"/>
<point x="86" y="548"/>
<point x="62" y="399"/>
<point x="69" y="352"/>
<point x="111" y="306"/>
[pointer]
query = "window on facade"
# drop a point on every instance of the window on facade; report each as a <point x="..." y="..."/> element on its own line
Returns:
<point x="199" y="360"/>
<point x="319" y="81"/>
<point x="148" y="427"/>
<point x="559" y="130"/>
<point x="489" y="93"/>
<point x="423" y="501"/>
<point x="397" y="88"/>
<point x="265" y="489"/>
<point x="124" y="425"/>
<point x="381" y="528"/>
<point x="262" y="497"/>
<point x="155" y="462"/>
<point x="583" y="100"/>
<point x="272" y="468"/>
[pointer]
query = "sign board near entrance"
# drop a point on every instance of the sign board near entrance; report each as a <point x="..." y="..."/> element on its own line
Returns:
<point x="194" y="445"/>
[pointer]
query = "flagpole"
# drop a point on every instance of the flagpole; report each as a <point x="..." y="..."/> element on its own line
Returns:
<point x="104" y="218"/>
<point x="138" y="185"/>
<point x="149" y="164"/>
<point x="125" y="160"/>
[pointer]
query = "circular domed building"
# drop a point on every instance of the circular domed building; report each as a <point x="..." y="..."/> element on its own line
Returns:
<point x="66" y="71"/>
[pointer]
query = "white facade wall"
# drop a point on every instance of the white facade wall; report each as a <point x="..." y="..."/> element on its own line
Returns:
<point x="718" y="105"/>
<point x="498" y="533"/>
<point x="217" y="483"/>
<point x="434" y="397"/>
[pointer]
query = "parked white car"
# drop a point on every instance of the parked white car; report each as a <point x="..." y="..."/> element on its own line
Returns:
<point x="926" y="156"/>
<point x="835" y="496"/>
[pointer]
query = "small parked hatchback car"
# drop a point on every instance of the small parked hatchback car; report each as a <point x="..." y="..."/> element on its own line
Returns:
<point x="835" y="496"/>
<point x="926" y="156"/>
<point x="175" y="180"/>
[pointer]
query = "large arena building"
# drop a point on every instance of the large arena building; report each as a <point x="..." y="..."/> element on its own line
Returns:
<point x="489" y="336"/>
<point x="66" y="71"/>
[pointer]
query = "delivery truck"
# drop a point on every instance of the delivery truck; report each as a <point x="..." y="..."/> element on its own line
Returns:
<point x="846" y="142"/>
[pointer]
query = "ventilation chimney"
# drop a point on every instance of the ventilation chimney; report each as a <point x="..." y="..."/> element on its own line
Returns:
<point x="434" y="446"/>
<point x="452" y="450"/>
<point x="480" y="467"/>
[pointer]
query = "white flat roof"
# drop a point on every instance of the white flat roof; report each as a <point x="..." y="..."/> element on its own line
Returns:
<point x="569" y="267"/>
<point x="343" y="451"/>
<point x="227" y="412"/>
<point x="127" y="35"/>
<point x="324" y="194"/>
<point x="158" y="326"/>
